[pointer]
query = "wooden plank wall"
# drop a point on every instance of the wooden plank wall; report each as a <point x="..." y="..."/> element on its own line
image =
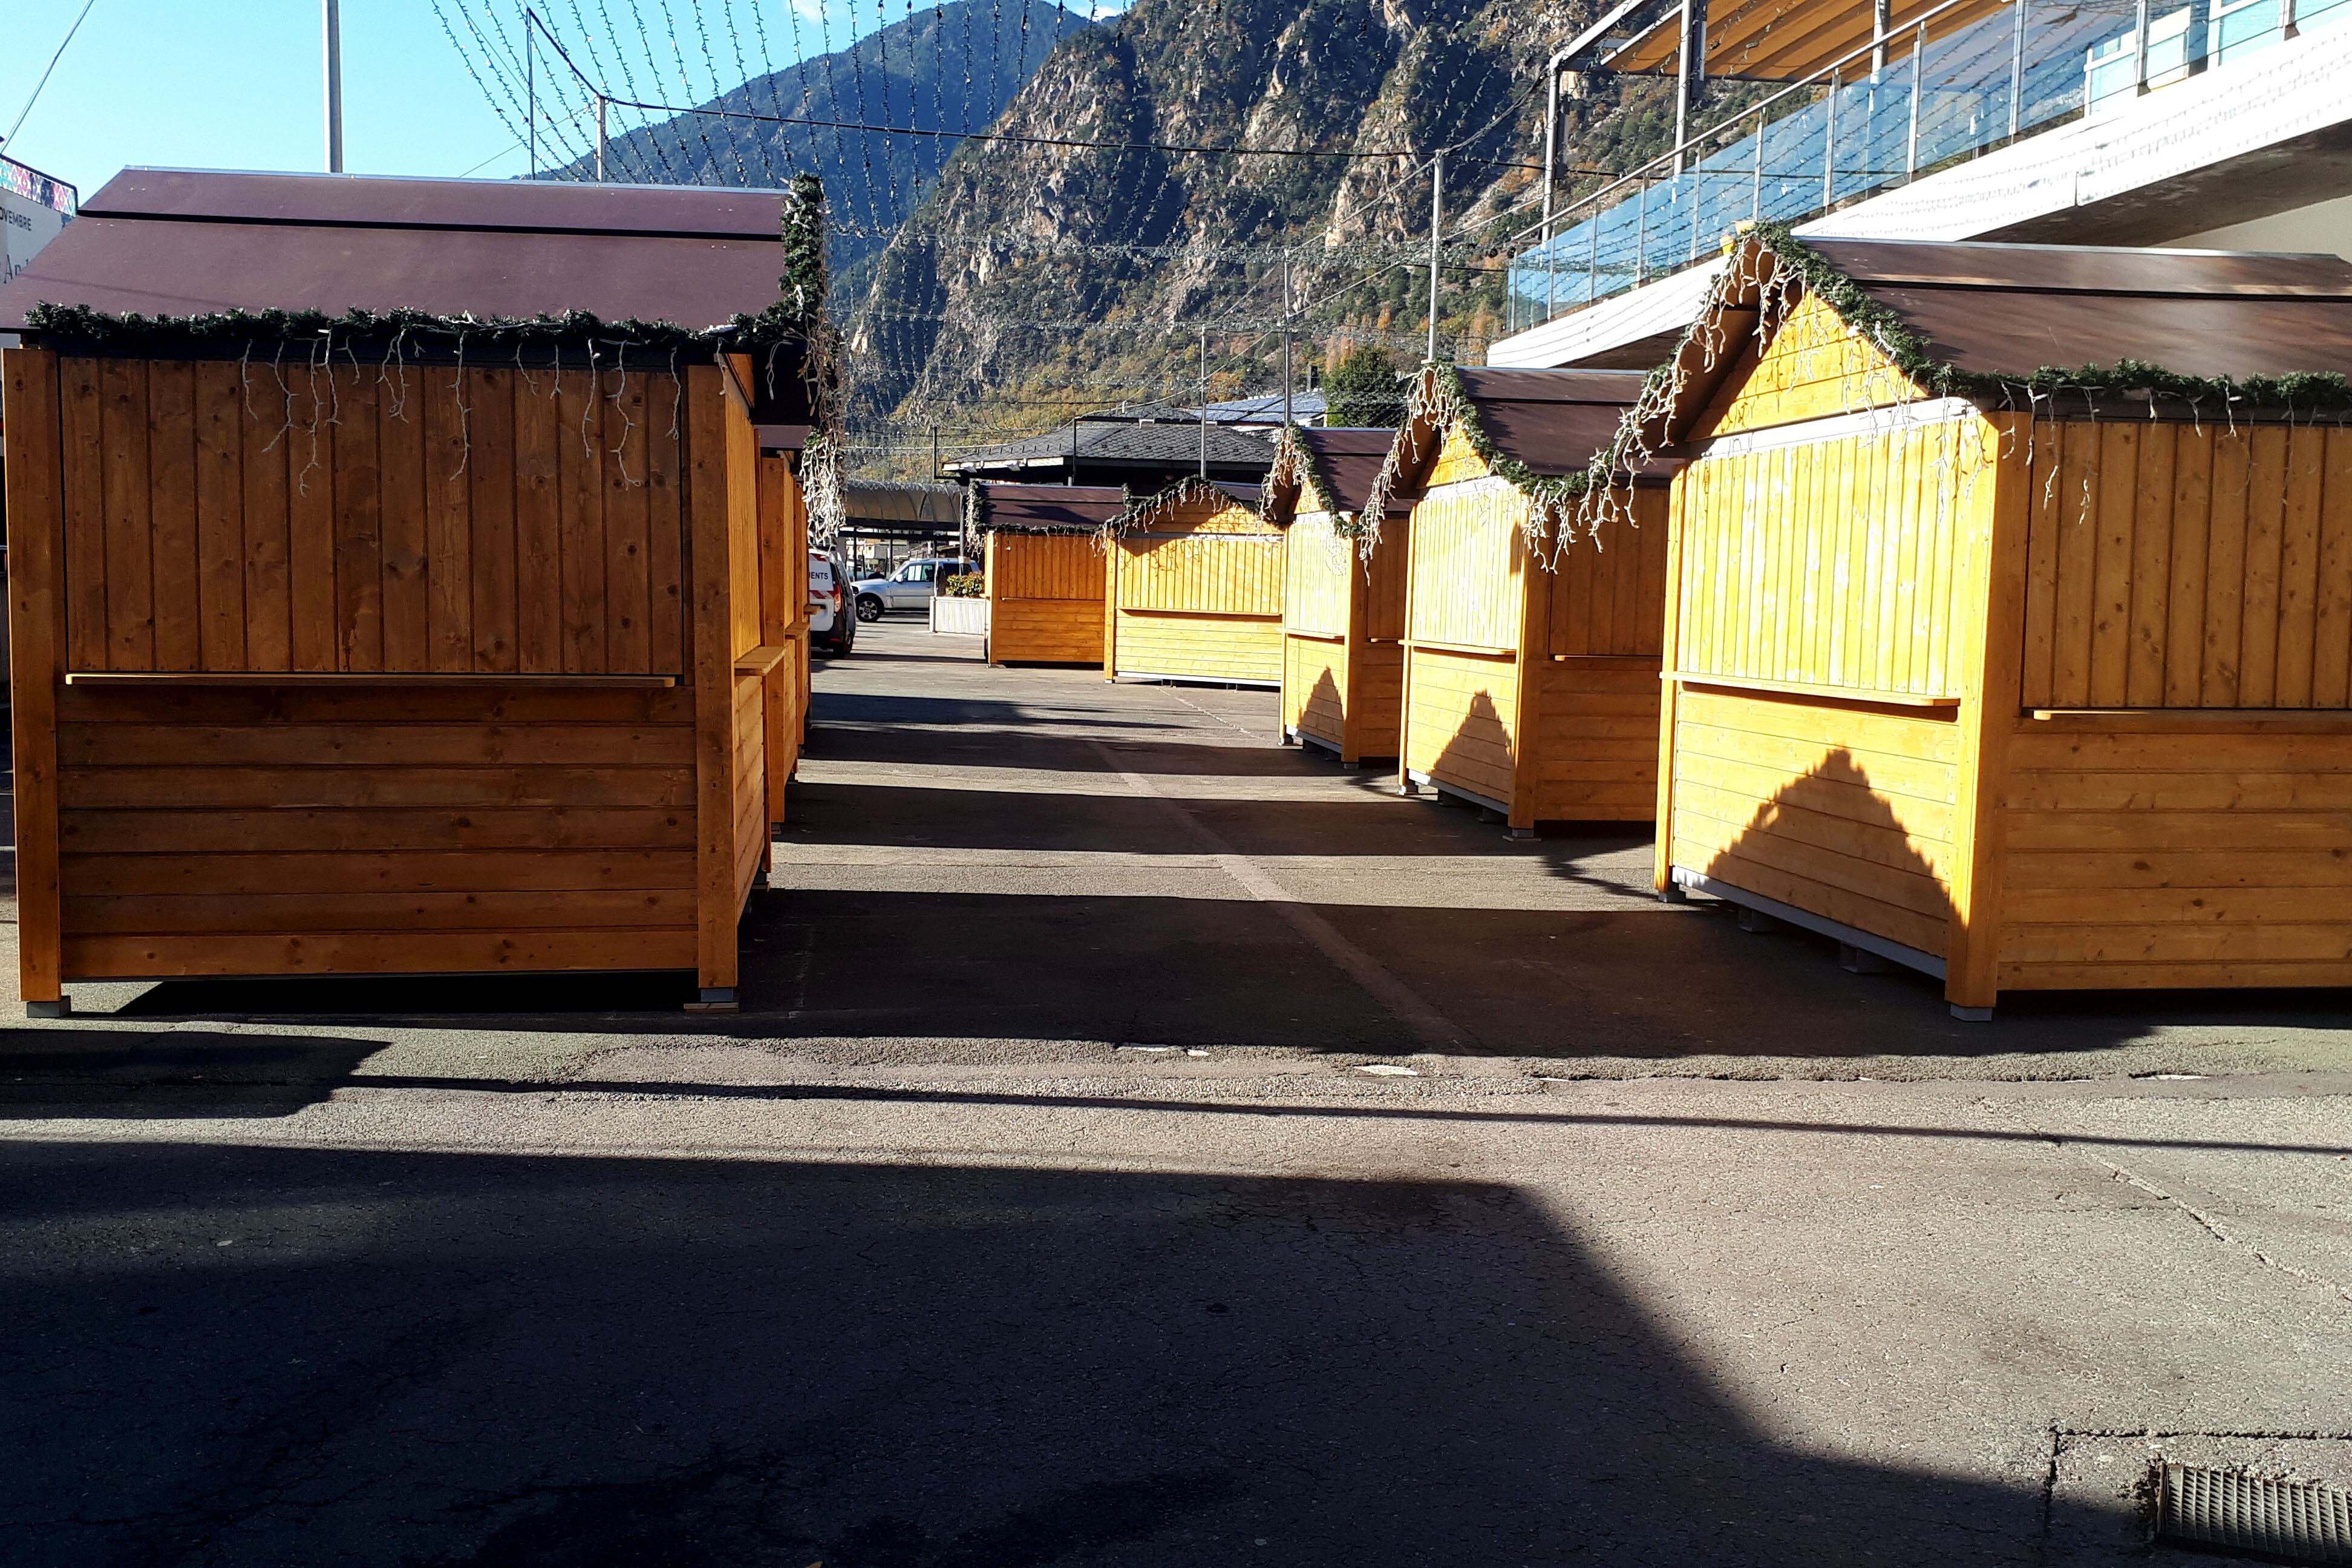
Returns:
<point x="1203" y="574"/>
<point x="1609" y="590"/>
<point x="1844" y="810"/>
<point x="2175" y="566"/>
<point x="1814" y="367"/>
<point x="1467" y="562"/>
<point x="420" y="826"/>
<point x="1199" y="647"/>
<point x="1199" y="595"/>
<point x="1827" y="565"/>
<point x="274" y="831"/>
<point x="1045" y="593"/>
<point x="784" y="613"/>
<point x="222" y="517"/>
<point x="1315" y="686"/>
<point x="1322" y="568"/>
<point x="2178" y="853"/>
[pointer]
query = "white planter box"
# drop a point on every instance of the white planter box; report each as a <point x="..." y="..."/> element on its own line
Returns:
<point x="960" y="617"/>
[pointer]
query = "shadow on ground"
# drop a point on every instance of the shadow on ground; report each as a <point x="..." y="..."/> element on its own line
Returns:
<point x="252" y="1355"/>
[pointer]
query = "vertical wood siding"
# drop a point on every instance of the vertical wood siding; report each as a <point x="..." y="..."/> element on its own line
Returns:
<point x="2174" y="566"/>
<point x="1201" y="597"/>
<point x="1609" y="591"/>
<point x="1045" y="598"/>
<point x="226" y="518"/>
<point x="1815" y="366"/>
<point x="1828" y="564"/>
<point x="1322" y="568"/>
<point x="1467" y="560"/>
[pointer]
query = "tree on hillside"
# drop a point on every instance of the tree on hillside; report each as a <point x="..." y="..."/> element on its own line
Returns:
<point x="1363" y="390"/>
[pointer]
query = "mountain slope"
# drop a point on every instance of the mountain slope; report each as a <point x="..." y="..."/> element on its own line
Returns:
<point x="1034" y="279"/>
<point x="954" y="66"/>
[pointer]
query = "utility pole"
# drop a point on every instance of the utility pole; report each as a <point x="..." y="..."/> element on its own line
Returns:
<point x="935" y="452"/>
<point x="600" y="138"/>
<point x="332" y="20"/>
<point x="1436" y="220"/>
<point x="1204" y="403"/>
<point x="1287" y="420"/>
<point x="531" y="90"/>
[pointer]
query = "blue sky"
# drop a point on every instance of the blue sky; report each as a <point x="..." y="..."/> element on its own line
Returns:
<point x="234" y="84"/>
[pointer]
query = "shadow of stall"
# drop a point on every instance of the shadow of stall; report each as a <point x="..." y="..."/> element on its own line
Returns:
<point x="396" y="1358"/>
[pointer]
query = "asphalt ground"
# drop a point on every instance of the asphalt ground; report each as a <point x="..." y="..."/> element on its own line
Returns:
<point x="1145" y="1144"/>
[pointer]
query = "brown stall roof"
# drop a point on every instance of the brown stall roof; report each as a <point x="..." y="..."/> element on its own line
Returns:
<point x="1346" y="460"/>
<point x="162" y="242"/>
<point x="1045" y="508"/>
<point x="1987" y="317"/>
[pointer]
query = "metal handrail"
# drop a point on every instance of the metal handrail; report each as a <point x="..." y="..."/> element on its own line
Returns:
<point x="1756" y="112"/>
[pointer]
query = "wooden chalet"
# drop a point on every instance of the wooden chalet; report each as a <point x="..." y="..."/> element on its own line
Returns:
<point x="1195" y="588"/>
<point x="400" y="644"/>
<point x="2028" y="678"/>
<point x="1342" y="600"/>
<point x="1045" y="564"/>
<point x="1532" y="602"/>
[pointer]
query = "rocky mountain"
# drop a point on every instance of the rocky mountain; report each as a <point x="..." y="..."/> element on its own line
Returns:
<point x="1036" y="276"/>
<point x="954" y="66"/>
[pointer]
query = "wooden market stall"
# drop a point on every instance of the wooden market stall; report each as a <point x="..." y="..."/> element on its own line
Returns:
<point x="349" y="644"/>
<point x="2031" y="678"/>
<point x="1531" y="606"/>
<point x="1342" y="600"/>
<point x="1195" y="588"/>
<point x="1046" y="569"/>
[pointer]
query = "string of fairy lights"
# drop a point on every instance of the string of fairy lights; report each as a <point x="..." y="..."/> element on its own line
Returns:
<point x="876" y="102"/>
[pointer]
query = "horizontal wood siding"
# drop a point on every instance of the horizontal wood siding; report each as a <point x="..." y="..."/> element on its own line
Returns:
<point x="2205" y="855"/>
<point x="1467" y="557"/>
<point x="1458" y="728"/>
<point x="281" y="831"/>
<point x="1199" y="647"/>
<point x="224" y="518"/>
<point x="1814" y="367"/>
<point x="1831" y="564"/>
<point x="1594" y="752"/>
<point x="1045" y="593"/>
<point x="1839" y="809"/>
<point x="1609" y="587"/>
<point x="1376" y="703"/>
<point x="1314" y="685"/>
<point x="2188" y="566"/>
<point x="751" y="781"/>
<point x="1323" y="567"/>
<point x="1045" y="631"/>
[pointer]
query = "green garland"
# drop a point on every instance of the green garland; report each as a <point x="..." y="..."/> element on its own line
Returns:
<point x="475" y="337"/>
<point x="1290" y="448"/>
<point x="2303" y="392"/>
<point x="1140" y="511"/>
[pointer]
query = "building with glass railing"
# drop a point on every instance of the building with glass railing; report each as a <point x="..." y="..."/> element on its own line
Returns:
<point x="2225" y="122"/>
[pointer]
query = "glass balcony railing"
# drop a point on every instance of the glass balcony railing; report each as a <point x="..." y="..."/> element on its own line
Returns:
<point x="1853" y="130"/>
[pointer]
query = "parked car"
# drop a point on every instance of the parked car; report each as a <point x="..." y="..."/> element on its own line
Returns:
<point x="831" y="626"/>
<point x="909" y="587"/>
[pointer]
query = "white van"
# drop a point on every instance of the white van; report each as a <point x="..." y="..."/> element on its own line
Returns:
<point x="833" y="628"/>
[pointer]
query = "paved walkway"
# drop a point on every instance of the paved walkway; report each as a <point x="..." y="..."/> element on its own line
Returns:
<point x="1147" y="1146"/>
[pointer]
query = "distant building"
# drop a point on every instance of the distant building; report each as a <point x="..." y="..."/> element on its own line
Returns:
<point x="1142" y="448"/>
<point x="2217" y="124"/>
<point x="34" y="209"/>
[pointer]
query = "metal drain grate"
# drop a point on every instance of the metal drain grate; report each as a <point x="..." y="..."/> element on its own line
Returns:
<point x="2299" y="1521"/>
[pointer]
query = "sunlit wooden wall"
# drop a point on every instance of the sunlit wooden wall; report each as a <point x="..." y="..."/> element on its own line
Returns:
<point x="401" y="669"/>
<point x="1045" y="598"/>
